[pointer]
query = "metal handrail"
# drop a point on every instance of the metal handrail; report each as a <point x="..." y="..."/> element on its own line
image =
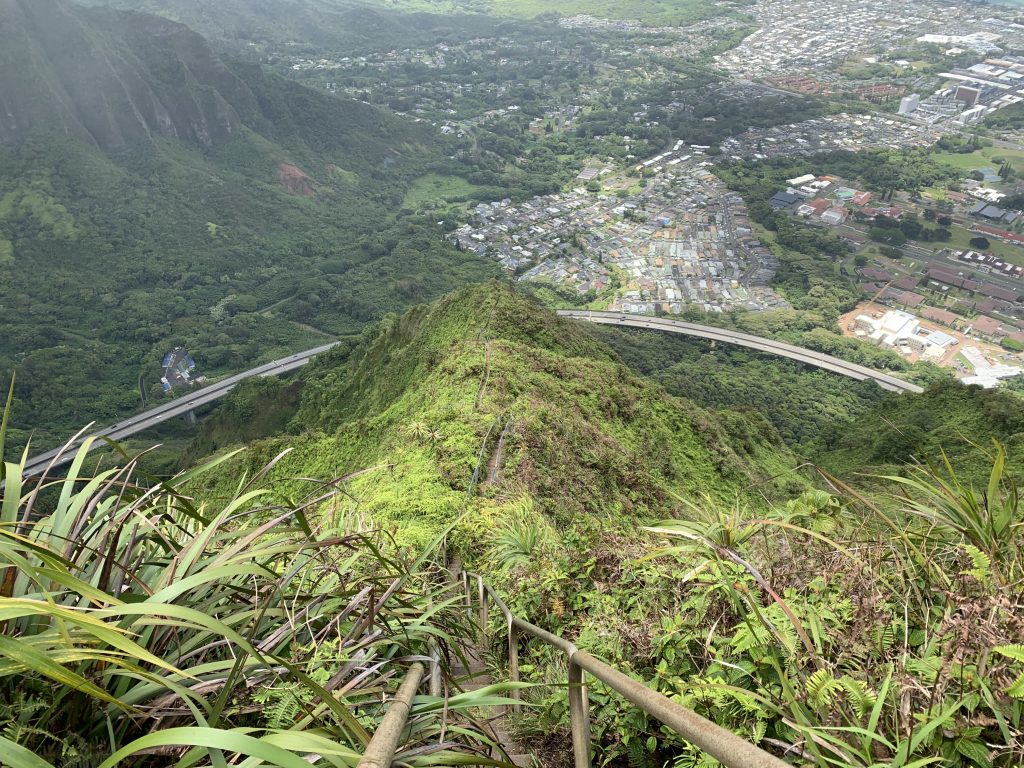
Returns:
<point x="725" y="746"/>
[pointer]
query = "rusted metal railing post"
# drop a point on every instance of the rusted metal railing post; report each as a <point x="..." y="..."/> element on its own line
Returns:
<point x="579" y="717"/>
<point x="482" y="590"/>
<point x="513" y="663"/>
<point x="435" y="668"/>
<point x="380" y="752"/>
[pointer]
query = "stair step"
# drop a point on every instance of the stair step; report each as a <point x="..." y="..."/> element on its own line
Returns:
<point x="523" y="761"/>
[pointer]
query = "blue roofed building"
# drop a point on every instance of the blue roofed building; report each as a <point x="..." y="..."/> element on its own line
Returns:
<point x="179" y="368"/>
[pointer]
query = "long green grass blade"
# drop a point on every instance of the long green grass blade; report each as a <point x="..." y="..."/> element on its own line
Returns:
<point x="16" y="756"/>
<point x="210" y="738"/>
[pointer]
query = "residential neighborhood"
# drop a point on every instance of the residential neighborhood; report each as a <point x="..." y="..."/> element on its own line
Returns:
<point x="681" y="239"/>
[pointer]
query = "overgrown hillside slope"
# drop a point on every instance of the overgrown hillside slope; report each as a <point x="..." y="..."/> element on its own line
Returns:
<point x="115" y="78"/>
<point x="154" y="195"/>
<point x="848" y="428"/>
<point x="851" y="630"/>
<point x="487" y="400"/>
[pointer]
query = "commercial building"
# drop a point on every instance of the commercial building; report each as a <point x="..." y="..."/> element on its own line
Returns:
<point x="987" y="374"/>
<point x="909" y="103"/>
<point x="967" y="96"/>
<point x="902" y="331"/>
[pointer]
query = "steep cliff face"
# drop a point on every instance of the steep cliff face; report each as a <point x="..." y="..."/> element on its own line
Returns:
<point x="112" y="78"/>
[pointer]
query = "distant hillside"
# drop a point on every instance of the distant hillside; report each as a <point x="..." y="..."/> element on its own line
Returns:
<point x="114" y="79"/>
<point x="487" y="396"/>
<point x="357" y="25"/>
<point x="961" y="421"/>
<point x="92" y="76"/>
<point x="648" y="11"/>
<point x="153" y="194"/>
<point x="336" y="25"/>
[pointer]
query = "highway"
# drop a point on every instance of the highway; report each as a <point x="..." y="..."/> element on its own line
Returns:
<point x="172" y="409"/>
<point x="800" y="354"/>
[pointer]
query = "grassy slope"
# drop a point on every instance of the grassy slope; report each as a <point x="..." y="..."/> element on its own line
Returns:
<point x="962" y="421"/>
<point x="585" y="440"/>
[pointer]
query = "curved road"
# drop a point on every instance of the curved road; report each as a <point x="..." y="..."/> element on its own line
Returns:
<point x="818" y="359"/>
<point x="179" y="407"/>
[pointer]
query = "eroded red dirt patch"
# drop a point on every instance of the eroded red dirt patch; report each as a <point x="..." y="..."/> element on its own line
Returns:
<point x="294" y="180"/>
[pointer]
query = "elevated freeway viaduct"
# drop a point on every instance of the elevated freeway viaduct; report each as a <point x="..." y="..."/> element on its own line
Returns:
<point x="800" y="354"/>
<point x="178" y="407"/>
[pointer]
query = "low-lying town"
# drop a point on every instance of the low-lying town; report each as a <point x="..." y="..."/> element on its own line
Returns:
<point x="834" y="132"/>
<point x="682" y="239"/>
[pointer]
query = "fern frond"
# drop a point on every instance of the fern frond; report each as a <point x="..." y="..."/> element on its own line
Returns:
<point x="1014" y="651"/>
<point x="820" y="688"/>
<point x="858" y="695"/>
<point x="982" y="564"/>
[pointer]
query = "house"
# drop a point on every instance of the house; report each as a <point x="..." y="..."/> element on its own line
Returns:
<point x="907" y="282"/>
<point x="861" y="198"/>
<point x="946" y="277"/>
<point x="997" y="292"/>
<point x="908" y="299"/>
<point x="987" y="326"/>
<point x="989" y="304"/>
<point x="835" y="215"/>
<point x="854" y="239"/>
<point x="814" y="207"/>
<point x="877" y="274"/>
<point x="943" y="316"/>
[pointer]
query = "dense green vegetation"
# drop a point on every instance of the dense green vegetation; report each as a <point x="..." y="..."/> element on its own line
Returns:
<point x="782" y="614"/>
<point x="800" y="402"/>
<point x="138" y="622"/>
<point x="684" y="106"/>
<point x="274" y="223"/>
<point x="680" y="543"/>
<point x="488" y="393"/>
<point x="961" y="421"/>
<point x="845" y="427"/>
<point x="830" y="628"/>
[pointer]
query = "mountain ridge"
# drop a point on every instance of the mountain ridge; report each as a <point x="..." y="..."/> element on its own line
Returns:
<point x="103" y="82"/>
<point x="485" y="393"/>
